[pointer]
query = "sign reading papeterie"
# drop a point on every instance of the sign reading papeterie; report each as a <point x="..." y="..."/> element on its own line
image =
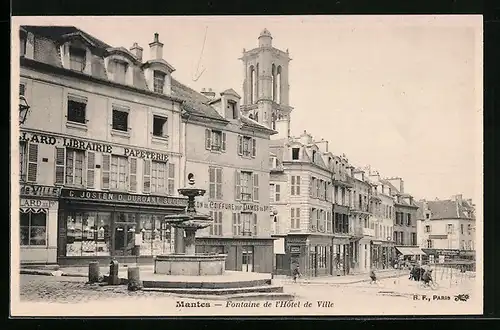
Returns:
<point x="81" y="144"/>
<point x="117" y="197"/>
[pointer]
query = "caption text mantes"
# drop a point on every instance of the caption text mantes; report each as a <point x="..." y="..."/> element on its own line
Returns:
<point x="257" y="304"/>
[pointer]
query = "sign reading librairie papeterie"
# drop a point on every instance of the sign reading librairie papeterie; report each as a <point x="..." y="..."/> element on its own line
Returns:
<point x="90" y="146"/>
<point x="117" y="197"/>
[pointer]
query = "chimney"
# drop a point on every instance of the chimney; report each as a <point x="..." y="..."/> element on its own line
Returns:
<point x="137" y="51"/>
<point x="208" y="93"/>
<point x="156" y="48"/>
<point x="458" y="199"/>
<point x="322" y="145"/>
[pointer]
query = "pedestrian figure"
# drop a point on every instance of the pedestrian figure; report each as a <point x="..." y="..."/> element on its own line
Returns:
<point x="296" y="273"/>
<point x="373" y="277"/>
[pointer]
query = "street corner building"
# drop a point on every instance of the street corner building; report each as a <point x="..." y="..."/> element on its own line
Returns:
<point x="109" y="139"/>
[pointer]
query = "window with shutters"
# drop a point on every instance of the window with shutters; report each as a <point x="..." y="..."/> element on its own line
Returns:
<point x="120" y="120"/>
<point x="171" y="179"/>
<point x="32" y="162"/>
<point x="216" y="226"/>
<point x="215" y="140"/>
<point x="247" y="220"/>
<point x="23" y="160"/>
<point x="328" y="222"/>
<point x="272" y="190"/>
<point x="77" y="107"/>
<point x="255" y="187"/>
<point x="275" y="192"/>
<point x="215" y="183"/>
<point x="246" y="146"/>
<point x="118" y="173"/>
<point x="237" y="228"/>
<point x="295" y="185"/>
<point x="75" y="161"/>
<point x="246" y="186"/>
<point x="295" y="218"/>
<point x="158" y="177"/>
<point x="90" y="170"/>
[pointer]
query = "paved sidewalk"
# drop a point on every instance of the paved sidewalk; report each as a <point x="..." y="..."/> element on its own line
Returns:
<point x="347" y="279"/>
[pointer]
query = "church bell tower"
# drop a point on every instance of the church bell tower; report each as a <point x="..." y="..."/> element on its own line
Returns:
<point x="265" y="86"/>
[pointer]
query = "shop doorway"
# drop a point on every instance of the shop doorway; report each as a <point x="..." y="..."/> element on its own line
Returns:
<point x="247" y="259"/>
<point x="313" y="262"/>
<point x="124" y="239"/>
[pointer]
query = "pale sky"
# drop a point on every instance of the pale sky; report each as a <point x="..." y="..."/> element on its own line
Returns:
<point x="403" y="94"/>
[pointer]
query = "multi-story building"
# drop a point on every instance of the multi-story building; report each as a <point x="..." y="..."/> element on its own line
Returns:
<point x="229" y="154"/>
<point x="446" y="225"/>
<point x="363" y="225"/>
<point x="110" y="138"/>
<point x="382" y="207"/>
<point x="100" y="162"/>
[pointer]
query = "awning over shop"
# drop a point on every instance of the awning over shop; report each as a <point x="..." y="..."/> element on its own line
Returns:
<point x="409" y="250"/>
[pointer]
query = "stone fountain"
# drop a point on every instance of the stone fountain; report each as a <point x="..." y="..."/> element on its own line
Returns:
<point x="190" y="263"/>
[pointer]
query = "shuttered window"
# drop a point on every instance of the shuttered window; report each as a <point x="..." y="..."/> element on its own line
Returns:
<point x="256" y="187"/>
<point x="171" y="179"/>
<point x="158" y="177"/>
<point x="23" y="158"/>
<point x="215" y="182"/>
<point x="146" y="176"/>
<point x="90" y="170"/>
<point x="119" y="173"/>
<point x="32" y="162"/>
<point x="133" y="174"/>
<point x="105" y="171"/>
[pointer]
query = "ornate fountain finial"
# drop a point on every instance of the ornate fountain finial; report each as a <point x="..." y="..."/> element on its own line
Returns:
<point x="191" y="179"/>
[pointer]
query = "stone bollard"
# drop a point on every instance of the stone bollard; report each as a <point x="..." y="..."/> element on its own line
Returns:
<point x="94" y="272"/>
<point x="134" y="279"/>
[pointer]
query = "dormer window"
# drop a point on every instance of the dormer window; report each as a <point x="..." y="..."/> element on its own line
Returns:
<point x="314" y="156"/>
<point x="120" y="73"/>
<point x="158" y="81"/>
<point x="295" y="153"/>
<point x="77" y="59"/>
<point x="232" y="110"/>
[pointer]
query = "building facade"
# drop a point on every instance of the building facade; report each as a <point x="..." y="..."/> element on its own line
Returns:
<point x="229" y="154"/>
<point x="446" y="225"/>
<point x="100" y="162"/>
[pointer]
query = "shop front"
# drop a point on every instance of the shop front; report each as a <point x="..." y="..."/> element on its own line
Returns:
<point x="245" y="254"/>
<point x="341" y="255"/>
<point x="99" y="226"/>
<point x="382" y="254"/>
<point x="38" y="224"/>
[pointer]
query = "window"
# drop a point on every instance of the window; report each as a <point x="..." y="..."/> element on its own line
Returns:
<point x="75" y="160"/>
<point x="215" y="182"/>
<point x="427" y="229"/>
<point x="171" y="179"/>
<point x="22" y="45"/>
<point x="89" y="234"/>
<point x="414" y="239"/>
<point x="449" y="228"/>
<point x="295" y="186"/>
<point x="236" y="224"/>
<point x="215" y="140"/>
<point x="249" y="223"/>
<point x="33" y="227"/>
<point x="295" y="153"/>
<point x="158" y="81"/>
<point x="328" y="222"/>
<point x="314" y="156"/>
<point x="408" y="220"/>
<point x="77" y="59"/>
<point x="277" y="193"/>
<point x="427" y="216"/>
<point x="429" y="244"/>
<point x="246" y="146"/>
<point x="469" y="228"/>
<point x="295" y="218"/>
<point x="247" y="186"/>
<point x="216" y="227"/>
<point x="120" y="120"/>
<point x="158" y="177"/>
<point x="76" y="110"/>
<point x="28" y="161"/>
<point x="462" y="228"/>
<point x="119" y="173"/>
<point x="22" y="89"/>
<point x="160" y="126"/>
<point x="120" y="72"/>
<point x="232" y="110"/>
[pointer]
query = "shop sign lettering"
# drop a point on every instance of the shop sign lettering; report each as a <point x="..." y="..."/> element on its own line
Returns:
<point x="36" y="203"/>
<point x="123" y="198"/>
<point x="232" y="207"/>
<point x="37" y="190"/>
<point x="294" y="249"/>
<point x="91" y="146"/>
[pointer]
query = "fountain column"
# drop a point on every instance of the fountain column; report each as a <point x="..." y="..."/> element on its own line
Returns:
<point x="189" y="241"/>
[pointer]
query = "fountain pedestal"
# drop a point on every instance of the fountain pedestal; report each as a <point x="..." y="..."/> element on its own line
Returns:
<point x="190" y="263"/>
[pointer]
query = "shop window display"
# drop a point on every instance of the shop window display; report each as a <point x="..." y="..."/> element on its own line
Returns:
<point x="154" y="236"/>
<point x="33" y="227"/>
<point x="88" y="234"/>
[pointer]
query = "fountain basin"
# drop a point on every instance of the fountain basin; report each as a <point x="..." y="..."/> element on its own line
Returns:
<point x="190" y="265"/>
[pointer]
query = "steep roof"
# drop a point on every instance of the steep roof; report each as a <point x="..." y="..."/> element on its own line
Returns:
<point x="448" y="209"/>
<point x="55" y="32"/>
<point x="390" y="185"/>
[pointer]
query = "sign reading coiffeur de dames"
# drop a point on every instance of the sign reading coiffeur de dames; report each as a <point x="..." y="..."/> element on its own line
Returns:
<point x="232" y="207"/>
<point x="122" y="198"/>
<point x="90" y="145"/>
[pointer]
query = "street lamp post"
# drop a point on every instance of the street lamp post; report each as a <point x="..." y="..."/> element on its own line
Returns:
<point x="23" y="109"/>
